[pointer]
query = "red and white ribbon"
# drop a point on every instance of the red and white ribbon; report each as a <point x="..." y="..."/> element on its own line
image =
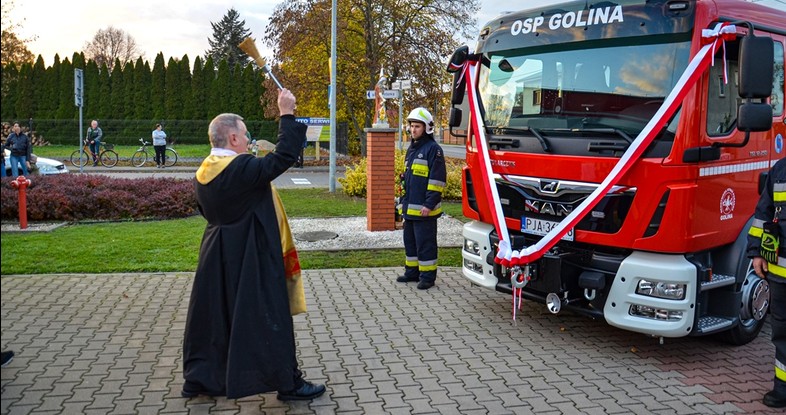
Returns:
<point x="508" y="257"/>
<point x="724" y="32"/>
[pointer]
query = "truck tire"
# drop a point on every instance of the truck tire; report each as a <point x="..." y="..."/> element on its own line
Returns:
<point x="755" y="292"/>
<point x="753" y="308"/>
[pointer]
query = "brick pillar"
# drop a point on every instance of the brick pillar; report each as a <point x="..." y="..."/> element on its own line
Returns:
<point x="380" y="180"/>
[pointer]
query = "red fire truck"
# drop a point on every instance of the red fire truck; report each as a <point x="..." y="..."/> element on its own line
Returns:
<point x="551" y="103"/>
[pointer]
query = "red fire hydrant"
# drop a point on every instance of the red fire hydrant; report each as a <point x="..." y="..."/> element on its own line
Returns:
<point x="21" y="183"/>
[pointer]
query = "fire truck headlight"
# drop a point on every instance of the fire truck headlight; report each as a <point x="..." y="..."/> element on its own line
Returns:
<point x="669" y="291"/>
<point x="471" y="246"/>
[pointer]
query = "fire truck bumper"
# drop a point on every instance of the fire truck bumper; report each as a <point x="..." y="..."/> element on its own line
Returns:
<point x="474" y="254"/>
<point x="653" y="294"/>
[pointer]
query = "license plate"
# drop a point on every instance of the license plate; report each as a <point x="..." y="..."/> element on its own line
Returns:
<point x="541" y="227"/>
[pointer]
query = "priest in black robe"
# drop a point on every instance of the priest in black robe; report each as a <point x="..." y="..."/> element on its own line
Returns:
<point x="239" y="337"/>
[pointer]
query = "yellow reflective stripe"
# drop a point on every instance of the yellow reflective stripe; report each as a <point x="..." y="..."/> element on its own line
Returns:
<point x="780" y="371"/>
<point x="423" y="268"/>
<point x="779" y="196"/>
<point x="777" y="270"/>
<point x="411" y="263"/>
<point x="436" y="185"/>
<point x="414" y="210"/>
<point x="420" y="170"/>
<point x="755" y="232"/>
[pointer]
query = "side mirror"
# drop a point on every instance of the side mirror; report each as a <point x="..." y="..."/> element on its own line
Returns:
<point x="459" y="88"/>
<point x="455" y="117"/>
<point x="754" y="116"/>
<point x="458" y="59"/>
<point x="756" y="57"/>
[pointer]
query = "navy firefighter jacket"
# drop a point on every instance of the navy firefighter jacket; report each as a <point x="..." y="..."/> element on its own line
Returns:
<point x="424" y="179"/>
<point x="771" y="208"/>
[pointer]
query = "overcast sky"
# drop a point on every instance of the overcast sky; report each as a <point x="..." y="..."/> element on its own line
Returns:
<point x="174" y="27"/>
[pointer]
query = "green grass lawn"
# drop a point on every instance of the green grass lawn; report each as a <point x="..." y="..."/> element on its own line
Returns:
<point x="62" y="152"/>
<point x="173" y="245"/>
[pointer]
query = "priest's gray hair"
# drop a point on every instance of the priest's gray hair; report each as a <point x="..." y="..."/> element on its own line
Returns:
<point x="221" y="127"/>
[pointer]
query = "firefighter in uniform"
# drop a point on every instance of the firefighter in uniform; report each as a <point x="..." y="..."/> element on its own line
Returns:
<point x="764" y="238"/>
<point x="424" y="181"/>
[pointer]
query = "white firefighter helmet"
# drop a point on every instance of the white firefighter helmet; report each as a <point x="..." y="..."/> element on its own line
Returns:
<point x="421" y="114"/>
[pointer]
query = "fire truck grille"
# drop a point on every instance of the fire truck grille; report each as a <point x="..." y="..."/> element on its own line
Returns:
<point x="552" y="200"/>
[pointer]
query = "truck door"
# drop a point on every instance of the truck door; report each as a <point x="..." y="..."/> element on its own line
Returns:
<point x="727" y="188"/>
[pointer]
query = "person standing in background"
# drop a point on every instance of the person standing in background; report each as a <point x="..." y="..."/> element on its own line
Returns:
<point x="21" y="149"/>
<point x="159" y="144"/>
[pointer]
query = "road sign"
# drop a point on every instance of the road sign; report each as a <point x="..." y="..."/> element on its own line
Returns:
<point x="79" y="86"/>
<point x="402" y="84"/>
<point x="387" y="94"/>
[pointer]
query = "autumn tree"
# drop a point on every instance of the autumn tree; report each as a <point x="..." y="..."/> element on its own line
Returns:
<point x="411" y="39"/>
<point x="110" y="45"/>
<point x="13" y="46"/>
<point x="227" y="34"/>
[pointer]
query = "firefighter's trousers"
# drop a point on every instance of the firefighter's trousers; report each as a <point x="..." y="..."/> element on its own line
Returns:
<point x="420" y="247"/>
<point x="778" y="323"/>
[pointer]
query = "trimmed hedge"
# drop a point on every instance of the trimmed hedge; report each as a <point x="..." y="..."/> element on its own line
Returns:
<point x="80" y="197"/>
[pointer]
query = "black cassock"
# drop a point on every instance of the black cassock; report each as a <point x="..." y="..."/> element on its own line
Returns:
<point x="239" y="339"/>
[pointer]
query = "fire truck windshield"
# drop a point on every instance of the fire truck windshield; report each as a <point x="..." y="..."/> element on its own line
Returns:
<point x="611" y="85"/>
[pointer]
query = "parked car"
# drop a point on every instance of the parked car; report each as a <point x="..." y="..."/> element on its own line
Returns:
<point x="42" y="165"/>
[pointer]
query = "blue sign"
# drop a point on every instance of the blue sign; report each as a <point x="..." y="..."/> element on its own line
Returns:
<point x="778" y="143"/>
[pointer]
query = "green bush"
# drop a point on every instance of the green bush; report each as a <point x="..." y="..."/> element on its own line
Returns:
<point x="354" y="180"/>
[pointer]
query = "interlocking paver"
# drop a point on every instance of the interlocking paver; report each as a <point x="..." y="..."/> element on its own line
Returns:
<point x="112" y="344"/>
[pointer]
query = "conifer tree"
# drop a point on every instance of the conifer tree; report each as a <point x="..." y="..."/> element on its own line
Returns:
<point x="184" y="90"/>
<point x="220" y="90"/>
<point x="158" y="83"/>
<point x="102" y="107"/>
<point x="198" y="96"/>
<point x="65" y="108"/>
<point x="172" y="102"/>
<point x="227" y="34"/>
<point x="141" y="90"/>
<point x="10" y="90"/>
<point x="117" y="102"/>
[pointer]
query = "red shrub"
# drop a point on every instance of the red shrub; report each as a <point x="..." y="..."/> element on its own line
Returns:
<point x="75" y="197"/>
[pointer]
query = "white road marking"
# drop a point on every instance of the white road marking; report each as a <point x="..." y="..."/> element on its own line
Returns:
<point x="300" y="181"/>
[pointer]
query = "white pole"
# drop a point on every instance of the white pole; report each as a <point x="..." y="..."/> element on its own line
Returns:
<point x="400" y="114"/>
<point x="332" y="98"/>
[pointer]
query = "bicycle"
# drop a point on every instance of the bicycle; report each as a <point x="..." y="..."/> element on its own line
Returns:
<point x="106" y="155"/>
<point x="140" y="155"/>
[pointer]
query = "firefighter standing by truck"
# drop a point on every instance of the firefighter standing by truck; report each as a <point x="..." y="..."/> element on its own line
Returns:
<point x="764" y="239"/>
<point x="424" y="181"/>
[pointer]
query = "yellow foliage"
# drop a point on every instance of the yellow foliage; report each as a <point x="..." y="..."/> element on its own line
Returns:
<point x="354" y="180"/>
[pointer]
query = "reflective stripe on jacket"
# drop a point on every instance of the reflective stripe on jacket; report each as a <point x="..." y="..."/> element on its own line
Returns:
<point x="424" y="178"/>
<point x="772" y="200"/>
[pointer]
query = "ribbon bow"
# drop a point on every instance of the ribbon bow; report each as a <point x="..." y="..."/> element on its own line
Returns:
<point x="720" y="33"/>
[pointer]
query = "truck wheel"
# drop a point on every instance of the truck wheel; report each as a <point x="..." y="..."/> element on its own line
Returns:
<point x="753" y="309"/>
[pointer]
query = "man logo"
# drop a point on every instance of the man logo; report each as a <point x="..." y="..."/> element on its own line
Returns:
<point x="550" y="186"/>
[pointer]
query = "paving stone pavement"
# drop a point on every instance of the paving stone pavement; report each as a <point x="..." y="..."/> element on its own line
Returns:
<point x="111" y="344"/>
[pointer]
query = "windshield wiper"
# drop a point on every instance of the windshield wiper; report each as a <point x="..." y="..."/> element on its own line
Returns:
<point x="535" y="132"/>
